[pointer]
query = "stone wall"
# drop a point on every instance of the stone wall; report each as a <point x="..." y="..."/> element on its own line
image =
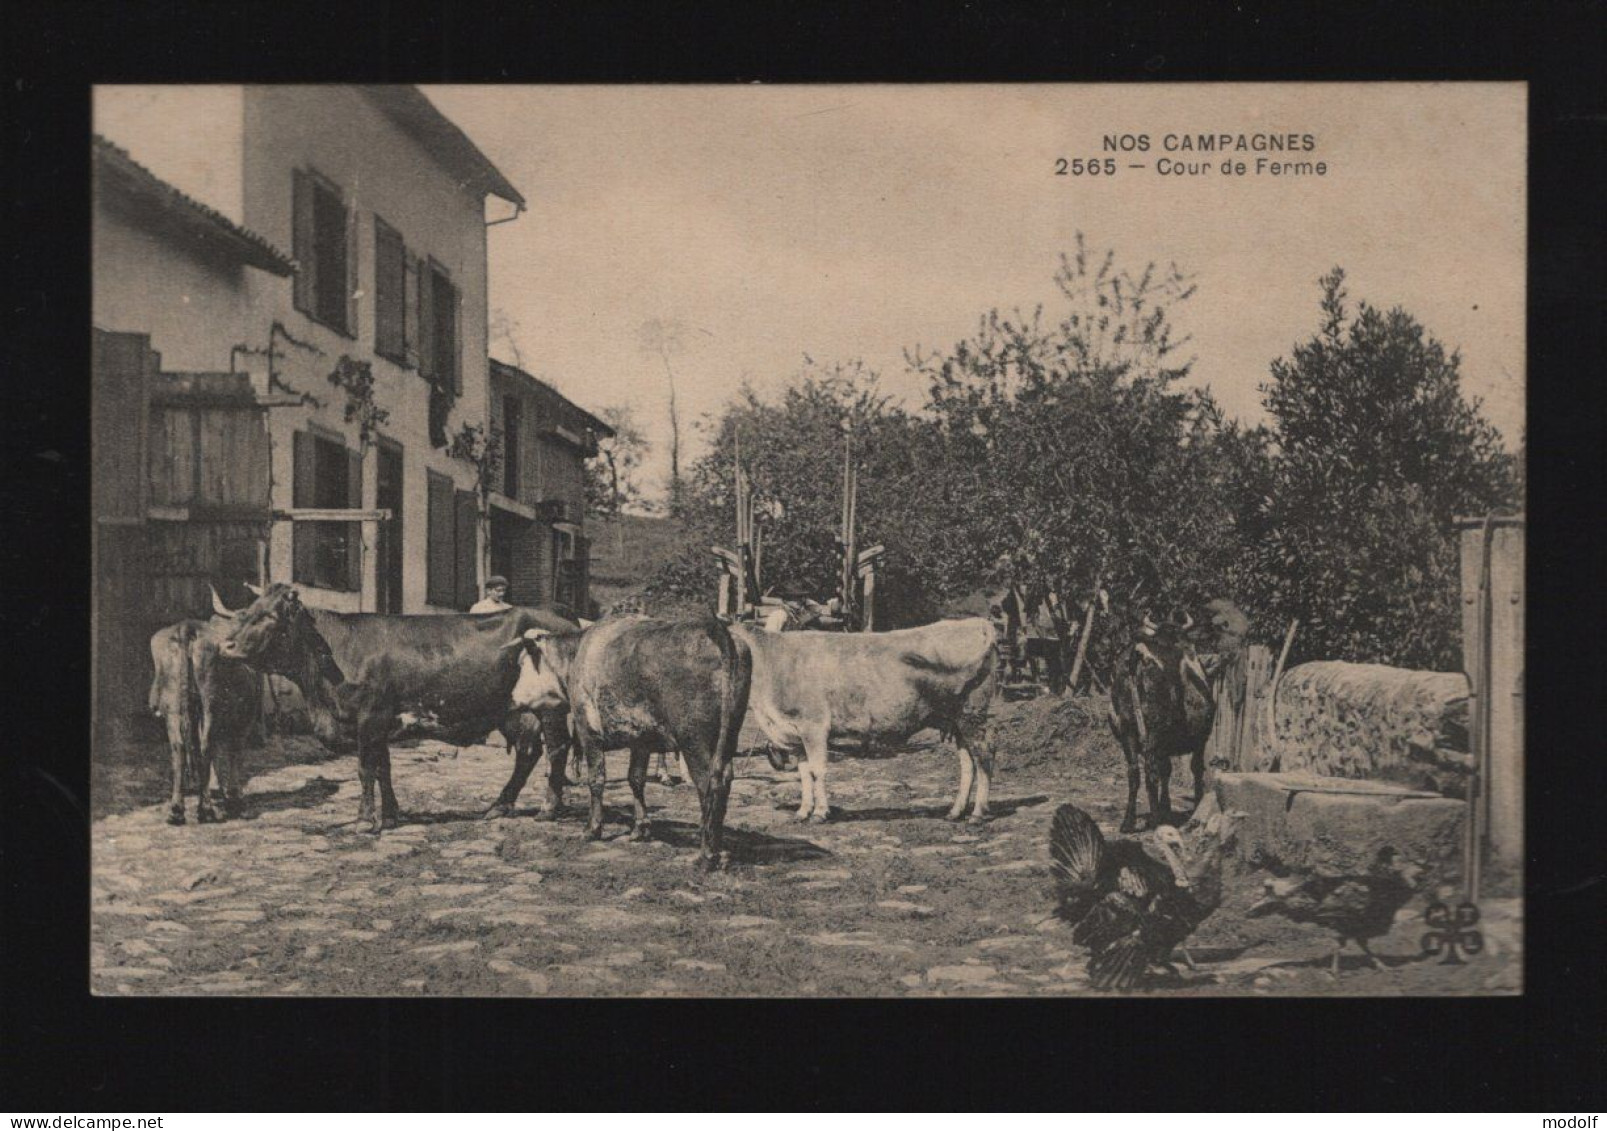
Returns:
<point x="1370" y="721"/>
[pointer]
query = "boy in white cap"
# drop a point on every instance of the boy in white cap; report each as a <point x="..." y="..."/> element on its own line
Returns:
<point x="496" y="590"/>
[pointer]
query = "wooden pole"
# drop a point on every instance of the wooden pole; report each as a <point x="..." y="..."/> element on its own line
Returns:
<point x="1283" y="656"/>
<point x="758" y="560"/>
<point x="739" y="600"/>
<point x="868" y="618"/>
<point x="1082" y="644"/>
<point x="846" y="533"/>
<point x="1268" y="724"/>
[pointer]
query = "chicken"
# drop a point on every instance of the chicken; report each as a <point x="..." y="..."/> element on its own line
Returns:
<point x="1129" y="908"/>
<point x="1353" y="907"/>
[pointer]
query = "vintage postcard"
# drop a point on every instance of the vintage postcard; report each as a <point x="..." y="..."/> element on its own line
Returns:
<point x="828" y="541"/>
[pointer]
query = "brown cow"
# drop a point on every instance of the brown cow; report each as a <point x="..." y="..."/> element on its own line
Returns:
<point x="1160" y="708"/>
<point x="649" y="685"/>
<point x="209" y="702"/>
<point x="359" y="672"/>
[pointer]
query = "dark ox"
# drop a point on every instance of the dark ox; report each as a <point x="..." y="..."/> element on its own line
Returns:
<point x="1160" y="708"/>
<point x="359" y="672"/>
<point x="208" y="703"/>
<point x="811" y="687"/>
<point x="652" y="686"/>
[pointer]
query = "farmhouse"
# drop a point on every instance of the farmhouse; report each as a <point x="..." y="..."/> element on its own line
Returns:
<point x="538" y="506"/>
<point x="290" y="305"/>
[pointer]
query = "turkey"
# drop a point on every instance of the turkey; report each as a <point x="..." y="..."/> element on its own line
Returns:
<point x="1353" y="907"/>
<point x="1130" y="908"/>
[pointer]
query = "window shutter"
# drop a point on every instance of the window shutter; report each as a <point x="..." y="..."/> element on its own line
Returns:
<point x="306" y="283"/>
<point x="351" y="271"/>
<point x="439" y="586"/>
<point x="410" y="307"/>
<point x="583" y="575"/>
<point x="426" y="322"/>
<point x="354" y="530"/>
<point x="303" y="535"/>
<point x="456" y="360"/>
<point x="390" y="283"/>
<point x="468" y="549"/>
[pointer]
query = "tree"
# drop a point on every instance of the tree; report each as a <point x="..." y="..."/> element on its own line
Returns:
<point x="792" y="452"/>
<point x="503" y="329"/>
<point x="611" y="483"/>
<point x="1074" y="460"/>
<point x="1375" y="451"/>
<point x="665" y="339"/>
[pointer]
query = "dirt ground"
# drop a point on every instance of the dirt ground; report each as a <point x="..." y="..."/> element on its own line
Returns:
<point x="888" y="899"/>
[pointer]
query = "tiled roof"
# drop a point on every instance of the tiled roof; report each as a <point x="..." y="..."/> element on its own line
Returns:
<point x="116" y="171"/>
<point x="414" y="112"/>
<point x="586" y="419"/>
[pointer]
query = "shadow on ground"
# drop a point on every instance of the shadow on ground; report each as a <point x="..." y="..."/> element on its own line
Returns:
<point x="1002" y="808"/>
<point x="744" y="847"/>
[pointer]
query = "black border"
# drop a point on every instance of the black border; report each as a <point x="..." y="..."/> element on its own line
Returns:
<point x="65" y="1051"/>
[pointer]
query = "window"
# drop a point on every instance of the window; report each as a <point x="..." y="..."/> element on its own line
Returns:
<point x="510" y="447"/>
<point x="392" y="338"/>
<point x="438" y="328"/>
<point x="324" y="245"/>
<point x="328" y="555"/>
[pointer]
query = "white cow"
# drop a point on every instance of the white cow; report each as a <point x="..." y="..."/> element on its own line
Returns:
<point x="811" y="687"/>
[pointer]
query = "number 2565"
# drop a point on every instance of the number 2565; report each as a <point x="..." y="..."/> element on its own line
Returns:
<point x="1091" y="167"/>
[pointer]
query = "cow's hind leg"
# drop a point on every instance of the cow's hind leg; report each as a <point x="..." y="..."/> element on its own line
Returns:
<point x="641" y="827"/>
<point x="1197" y="768"/>
<point x="1130" y="754"/>
<point x="816" y="749"/>
<point x="1158" y="784"/>
<point x="365" y="776"/>
<point x="229" y="775"/>
<point x="521" y="731"/>
<point x="714" y="791"/>
<point x="806" y="787"/>
<point x="205" y="813"/>
<point x="967" y="774"/>
<point x="176" y="746"/>
<point x="596" y="763"/>
<point x="374" y="768"/>
<point x="390" y="811"/>
<point x="555" y="738"/>
<point x="982" y="755"/>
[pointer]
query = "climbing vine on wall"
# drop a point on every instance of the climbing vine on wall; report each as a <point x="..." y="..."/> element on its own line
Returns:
<point x="356" y="379"/>
<point x="481" y="447"/>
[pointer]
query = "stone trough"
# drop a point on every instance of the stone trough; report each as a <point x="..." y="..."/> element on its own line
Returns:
<point x="1307" y="823"/>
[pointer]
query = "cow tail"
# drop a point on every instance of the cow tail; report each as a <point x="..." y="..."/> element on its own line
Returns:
<point x="737" y="668"/>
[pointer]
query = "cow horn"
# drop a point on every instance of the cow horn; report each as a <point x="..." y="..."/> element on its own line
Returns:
<point x="1149" y="624"/>
<point x="584" y="623"/>
<point x="256" y="590"/>
<point x="219" y="607"/>
<point x="1188" y="622"/>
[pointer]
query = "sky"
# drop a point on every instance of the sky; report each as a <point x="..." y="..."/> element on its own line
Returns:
<point x="854" y="222"/>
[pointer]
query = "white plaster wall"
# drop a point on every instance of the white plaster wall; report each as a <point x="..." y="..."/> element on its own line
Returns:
<point x="193" y="305"/>
<point x="382" y="171"/>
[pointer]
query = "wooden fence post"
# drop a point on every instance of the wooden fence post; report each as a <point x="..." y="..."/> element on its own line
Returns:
<point x="1082" y="645"/>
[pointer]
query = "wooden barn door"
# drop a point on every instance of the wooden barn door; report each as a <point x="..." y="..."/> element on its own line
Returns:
<point x="201" y="465"/>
